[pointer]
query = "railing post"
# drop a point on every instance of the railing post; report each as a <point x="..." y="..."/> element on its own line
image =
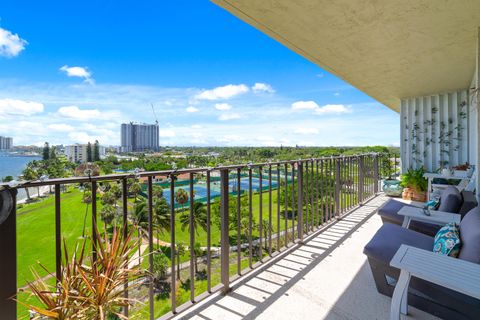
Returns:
<point x="337" y="187"/>
<point x="300" y="200"/>
<point x="224" y="237"/>
<point x="360" y="180"/>
<point x="8" y="254"/>
<point x="376" y="172"/>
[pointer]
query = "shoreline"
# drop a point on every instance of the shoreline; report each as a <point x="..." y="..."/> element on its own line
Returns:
<point x="34" y="193"/>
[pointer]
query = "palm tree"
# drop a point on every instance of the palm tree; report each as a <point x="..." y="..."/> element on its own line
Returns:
<point x="157" y="191"/>
<point x="140" y="221"/>
<point x="199" y="218"/>
<point x="181" y="197"/>
<point x="181" y="249"/>
<point x="117" y="192"/>
<point x="161" y="211"/>
<point x="108" y="213"/>
<point x="135" y="189"/>
<point x="29" y="173"/>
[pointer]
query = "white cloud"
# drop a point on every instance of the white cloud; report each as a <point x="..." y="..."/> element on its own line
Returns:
<point x="79" y="72"/>
<point x="192" y="109"/>
<point x="229" y="138"/>
<point x="326" y="109"/>
<point x="10" y="44"/>
<point x="262" y="87"/>
<point x="305" y="105"/>
<point x="306" y="131"/>
<point x="229" y="116"/>
<point x="74" y="112"/>
<point x="167" y="133"/>
<point x="80" y="137"/>
<point x="336" y="94"/>
<point x="225" y="92"/>
<point x="196" y="126"/>
<point x="332" y="109"/>
<point x="223" y="106"/>
<point x="20" y="107"/>
<point x="60" y="127"/>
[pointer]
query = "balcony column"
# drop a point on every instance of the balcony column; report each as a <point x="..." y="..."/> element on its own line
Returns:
<point x="8" y="254"/>
<point x="224" y="236"/>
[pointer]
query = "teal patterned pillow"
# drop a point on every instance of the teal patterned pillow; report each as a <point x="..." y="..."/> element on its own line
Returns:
<point x="447" y="241"/>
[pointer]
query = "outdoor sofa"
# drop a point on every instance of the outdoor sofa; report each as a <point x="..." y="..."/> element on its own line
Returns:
<point x="424" y="295"/>
<point x="451" y="200"/>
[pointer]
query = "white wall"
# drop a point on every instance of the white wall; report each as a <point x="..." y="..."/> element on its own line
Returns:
<point x="434" y="130"/>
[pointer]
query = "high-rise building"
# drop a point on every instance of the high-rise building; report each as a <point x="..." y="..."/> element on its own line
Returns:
<point x="78" y="152"/>
<point x="139" y="137"/>
<point x="6" y="143"/>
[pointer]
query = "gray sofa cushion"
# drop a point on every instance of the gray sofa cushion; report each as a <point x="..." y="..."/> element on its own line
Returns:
<point x="389" y="211"/>
<point x="469" y="202"/>
<point x="390" y="237"/>
<point x="470" y="236"/>
<point x="451" y="200"/>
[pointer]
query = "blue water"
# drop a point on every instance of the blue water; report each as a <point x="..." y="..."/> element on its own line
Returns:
<point x="12" y="165"/>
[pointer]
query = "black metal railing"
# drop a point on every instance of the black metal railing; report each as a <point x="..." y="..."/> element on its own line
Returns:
<point x="258" y="218"/>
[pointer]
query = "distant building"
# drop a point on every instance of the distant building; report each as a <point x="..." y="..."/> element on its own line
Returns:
<point x="140" y="137"/>
<point x="6" y="143"/>
<point x="78" y="152"/>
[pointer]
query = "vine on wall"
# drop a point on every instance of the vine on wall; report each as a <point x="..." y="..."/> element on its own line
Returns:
<point x="447" y="136"/>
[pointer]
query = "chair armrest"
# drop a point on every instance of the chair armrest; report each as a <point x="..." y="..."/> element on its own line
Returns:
<point x="459" y="275"/>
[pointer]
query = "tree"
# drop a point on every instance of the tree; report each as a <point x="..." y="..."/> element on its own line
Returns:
<point x="161" y="212"/>
<point x="267" y="229"/>
<point x="198" y="252"/>
<point x="89" y="152"/>
<point x="96" y="151"/>
<point x="108" y="213"/>
<point x="157" y="191"/>
<point x="87" y="197"/>
<point x="53" y="153"/>
<point x="46" y="151"/>
<point x="181" y="249"/>
<point x="7" y="179"/>
<point x="160" y="265"/>
<point x="29" y="174"/>
<point x="140" y="221"/>
<point x="116" y="191"/>
<point x="199" y="218"/>
<point x="181" y="197"/>
<point x="108" y="198"/>
<point x="134" y="188"/>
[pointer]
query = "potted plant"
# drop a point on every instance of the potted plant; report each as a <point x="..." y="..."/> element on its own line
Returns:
<point x="415" y="185"/>
<point x="462" y="170"/>
<point x="390" y="186"/>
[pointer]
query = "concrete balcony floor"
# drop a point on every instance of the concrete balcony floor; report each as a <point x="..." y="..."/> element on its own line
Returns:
<point x="326" y="278"/>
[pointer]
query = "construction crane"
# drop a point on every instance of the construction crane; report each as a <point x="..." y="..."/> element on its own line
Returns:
<point x="154" y="114"/>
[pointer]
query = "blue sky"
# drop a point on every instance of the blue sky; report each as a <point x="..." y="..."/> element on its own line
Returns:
<point x="73" y="71"/>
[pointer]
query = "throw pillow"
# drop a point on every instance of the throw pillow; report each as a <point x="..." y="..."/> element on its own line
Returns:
<point x="447" y="241"/>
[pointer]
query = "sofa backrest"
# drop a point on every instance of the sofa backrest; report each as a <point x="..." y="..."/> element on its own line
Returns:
<point x="450" y="200"/>
<point x="469" y="202"/>
<point x="470" y="236"/>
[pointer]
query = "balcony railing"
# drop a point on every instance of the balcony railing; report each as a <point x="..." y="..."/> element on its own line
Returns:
<point x="263" y="209"/>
